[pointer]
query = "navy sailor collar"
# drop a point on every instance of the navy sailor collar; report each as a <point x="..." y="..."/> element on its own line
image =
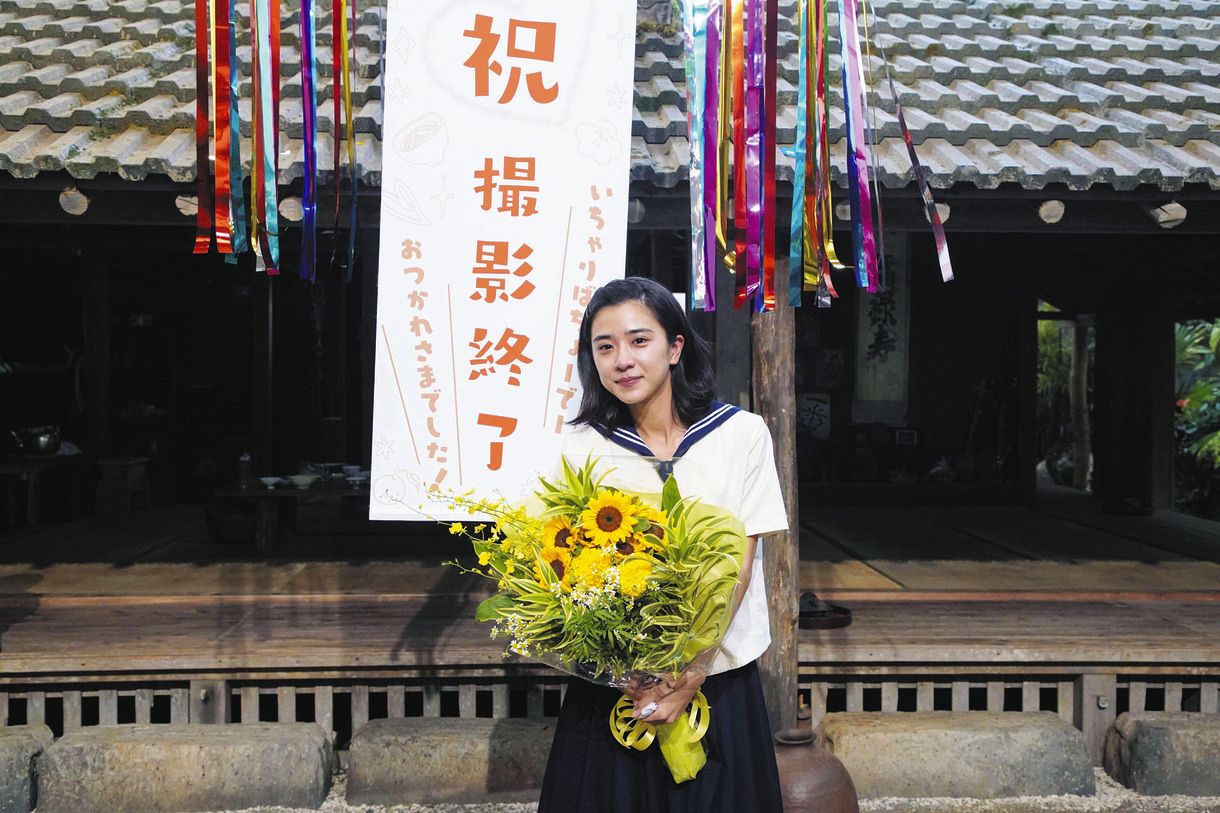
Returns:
<point x="628" y="438"/>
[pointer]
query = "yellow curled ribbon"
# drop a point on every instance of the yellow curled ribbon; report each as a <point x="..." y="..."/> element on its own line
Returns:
<point x="680" y="740"/>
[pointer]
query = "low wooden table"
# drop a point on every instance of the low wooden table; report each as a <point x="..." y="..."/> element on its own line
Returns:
<point x="275" y="509"/>
<point x="31" y="470"/>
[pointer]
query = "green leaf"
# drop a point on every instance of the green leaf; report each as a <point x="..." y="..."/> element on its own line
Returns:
<point x="493" y="608"/>
<point x="669" y="494"/>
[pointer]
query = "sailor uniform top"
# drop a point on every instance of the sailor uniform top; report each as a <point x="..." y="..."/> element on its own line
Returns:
<point x="725" y="459"/>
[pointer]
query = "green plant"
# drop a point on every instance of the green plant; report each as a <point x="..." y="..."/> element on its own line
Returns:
<point x="1197" y="425"/>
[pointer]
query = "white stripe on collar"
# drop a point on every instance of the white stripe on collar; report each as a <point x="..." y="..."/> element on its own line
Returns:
<point x="628" y="438"/>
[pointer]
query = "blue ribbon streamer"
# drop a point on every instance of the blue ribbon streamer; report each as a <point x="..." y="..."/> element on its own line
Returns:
<point x="309" y="105"/>
<point x="237" y="204"/>
<point x="694" y="19"/>
<point x="267" y="124"/>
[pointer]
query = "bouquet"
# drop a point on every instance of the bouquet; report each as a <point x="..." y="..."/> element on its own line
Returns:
<point x="622" y="589"/>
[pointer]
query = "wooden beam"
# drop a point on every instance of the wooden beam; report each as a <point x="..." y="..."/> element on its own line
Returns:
<point x="773" y="344"/>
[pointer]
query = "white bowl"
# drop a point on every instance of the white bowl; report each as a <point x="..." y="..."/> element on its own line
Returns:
<point x="303" y="481"/>
<point x="271" y="482"/>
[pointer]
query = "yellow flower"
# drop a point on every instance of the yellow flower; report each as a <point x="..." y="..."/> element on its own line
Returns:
<point x="559" y="533"/>
<point x="456" y="528"/>
<point x="608" y="518"/>
<point x="485" y="557"/>
<point x="656" y="519"/>
<point x="633" y="576"/>
<point x="558" y="559"/>
<point x="589" y="569"/>
<point x="632" y="545"/>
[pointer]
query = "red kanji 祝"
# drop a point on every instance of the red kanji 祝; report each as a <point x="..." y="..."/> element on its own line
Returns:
<point x="528" y="41"/>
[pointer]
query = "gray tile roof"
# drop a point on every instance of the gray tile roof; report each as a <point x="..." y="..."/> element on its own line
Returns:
<point x="1110" y="93"/>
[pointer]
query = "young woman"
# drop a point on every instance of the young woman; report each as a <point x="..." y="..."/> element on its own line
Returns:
<point x="647" y="412"/>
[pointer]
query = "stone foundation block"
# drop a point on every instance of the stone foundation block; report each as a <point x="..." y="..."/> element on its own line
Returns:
<point x="448" y="760"/>
<point x="19" y="746"/>
<point x="977" y="754"/>
<point x="162" y="768"/>
<point x="1165" y="753"/>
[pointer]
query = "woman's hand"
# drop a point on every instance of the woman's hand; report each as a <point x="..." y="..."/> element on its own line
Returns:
<point x="668" y="700"/>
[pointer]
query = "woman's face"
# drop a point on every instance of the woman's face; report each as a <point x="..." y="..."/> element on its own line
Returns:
<point x="632" y="353"/>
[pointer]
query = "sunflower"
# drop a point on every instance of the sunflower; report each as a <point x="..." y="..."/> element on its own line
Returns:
<point x="608" y="518"/>
<point x="558" y="560"/>
<point x="589" y="569"/>
<point x="628" y="546"/>
<point x="656" y="521"/>
<point x="633" y="576"/>
<point x="559" y="533"/>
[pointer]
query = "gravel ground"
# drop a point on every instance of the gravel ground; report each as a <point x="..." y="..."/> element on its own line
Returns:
<point x="1111" y="798"/>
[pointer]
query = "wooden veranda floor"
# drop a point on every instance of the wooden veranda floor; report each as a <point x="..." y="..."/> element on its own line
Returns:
<point x="1055" y="607"/>
<point x="1014" y="586"/>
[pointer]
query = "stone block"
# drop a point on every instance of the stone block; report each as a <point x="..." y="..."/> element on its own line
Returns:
<point x="976" y="754"/>
<point x="449" y="759"/>
<point x="19" y="746"/>
<point x="163" y="768"/>
<point x="1165" y="753"/>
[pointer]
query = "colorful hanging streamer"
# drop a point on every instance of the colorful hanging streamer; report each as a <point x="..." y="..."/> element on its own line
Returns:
<point x="694" y="23"/>
<point x="265" y="220"/>
<point x="731" y="66"/>
<point x="203" y="158"/>
<point x="342" y="27"/>
<point x="309" y="115"/>
<point x="221" y="111"/>
<point x="239" y="224"/>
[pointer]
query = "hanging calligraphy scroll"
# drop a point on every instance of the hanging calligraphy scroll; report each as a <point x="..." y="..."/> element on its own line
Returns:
<point x="504" y="205"/>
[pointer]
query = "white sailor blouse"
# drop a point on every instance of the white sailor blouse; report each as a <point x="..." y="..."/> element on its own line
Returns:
<point x="725" y="459"/>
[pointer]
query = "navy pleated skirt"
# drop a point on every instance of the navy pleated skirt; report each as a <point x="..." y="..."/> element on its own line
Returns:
<point x="589" y="771"/>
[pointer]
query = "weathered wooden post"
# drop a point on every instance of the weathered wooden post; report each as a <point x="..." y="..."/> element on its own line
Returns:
<point x="773" y="380"/>
<point x="1079" y="398"/>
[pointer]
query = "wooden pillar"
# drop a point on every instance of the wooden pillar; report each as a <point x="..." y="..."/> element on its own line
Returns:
<point x="1095" y="702"/>
<point x="369" y="249"/>
<point x="96" y="373"/>
<point x="209" y="701"/>
<point x="262" y="388"/>
<point x="1079" y="397"/>
<point x="1026" y="445"/>
<point x="1133" y="406"/>
<point x="773" y="343"/>
<point x="732" y="344"/>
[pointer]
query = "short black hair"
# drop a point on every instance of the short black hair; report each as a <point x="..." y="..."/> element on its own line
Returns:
<point x="692" y="379"/>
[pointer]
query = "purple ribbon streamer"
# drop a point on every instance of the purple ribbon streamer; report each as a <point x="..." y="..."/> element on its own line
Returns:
<point x="754" y="148"/>
<point x="711" y="152"/>
<point x="857" y="160"/>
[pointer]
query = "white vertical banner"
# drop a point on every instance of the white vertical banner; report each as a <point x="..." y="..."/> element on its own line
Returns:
<point x="505" y="170"/>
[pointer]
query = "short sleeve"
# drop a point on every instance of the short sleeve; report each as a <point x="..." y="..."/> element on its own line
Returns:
<point x="763" y="500"/>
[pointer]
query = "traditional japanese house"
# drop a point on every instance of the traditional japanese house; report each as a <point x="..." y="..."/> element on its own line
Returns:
<point x="1072" y="145"/>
